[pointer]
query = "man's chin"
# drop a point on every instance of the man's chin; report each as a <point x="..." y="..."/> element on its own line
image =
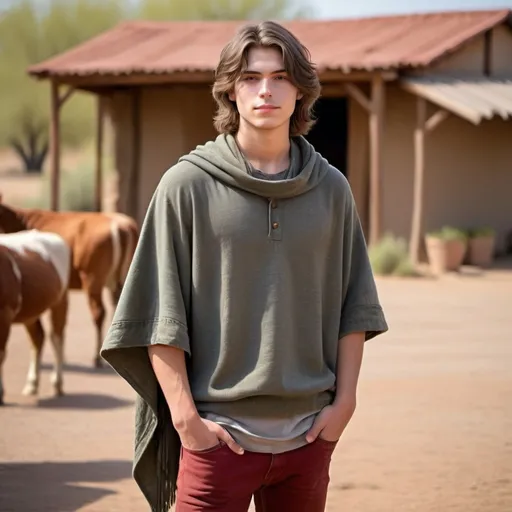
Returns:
<point x="266" y="124"/>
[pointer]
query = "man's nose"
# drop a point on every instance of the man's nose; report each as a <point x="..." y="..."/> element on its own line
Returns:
<point x="265" y="88"/>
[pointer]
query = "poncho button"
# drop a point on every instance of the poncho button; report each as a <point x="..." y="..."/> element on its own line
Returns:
<point x="275" y="225"/>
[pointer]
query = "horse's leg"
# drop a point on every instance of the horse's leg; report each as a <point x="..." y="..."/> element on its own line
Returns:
<point x="36" y="333"/>
<point x="94" y="288"/>
<point x="58" y="317"/>
<point x="5" y="328"/>
<point x="115" y="293"/>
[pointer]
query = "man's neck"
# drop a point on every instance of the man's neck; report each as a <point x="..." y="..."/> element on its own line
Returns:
<point x="266" y="150"/>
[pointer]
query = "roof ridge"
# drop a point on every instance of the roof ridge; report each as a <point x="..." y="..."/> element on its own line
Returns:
<point x="160" y="46"/>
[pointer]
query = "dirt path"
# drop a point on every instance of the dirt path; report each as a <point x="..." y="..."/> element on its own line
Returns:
<point x="433" y="430"/>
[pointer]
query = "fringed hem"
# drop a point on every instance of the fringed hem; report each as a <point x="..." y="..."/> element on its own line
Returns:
<point x="168" y="457"/>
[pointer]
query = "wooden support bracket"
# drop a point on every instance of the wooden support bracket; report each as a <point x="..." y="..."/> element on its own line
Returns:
<point x="62" y="99"/>
<point x="359" y="96"/>
<point x="436" y="119"/>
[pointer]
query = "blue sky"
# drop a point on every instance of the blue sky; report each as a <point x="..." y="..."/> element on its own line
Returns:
<point x="351" y="8"/>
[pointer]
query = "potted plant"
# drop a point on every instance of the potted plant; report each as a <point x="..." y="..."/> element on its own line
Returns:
<point x="446" y="249"/>
<point x="481" y="246"/>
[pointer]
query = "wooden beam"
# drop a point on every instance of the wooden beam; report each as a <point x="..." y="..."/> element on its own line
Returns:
<point x="376" y="133"/>
<point x="95" y="82"/>
<point x="354" y="76"/>
<point x="131" y="80"/>
<point x="333" y="91"/>
<point x="419" y="173"/>
<point x="55" y="147"/>
<point x="66" y="96"/>
<point x="359" y="96"/>
<point x="436" y="119"/>
<point x="487" y="64"/>
<point x="98" y="185"/>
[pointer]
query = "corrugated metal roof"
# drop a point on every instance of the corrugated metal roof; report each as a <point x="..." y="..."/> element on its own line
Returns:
<point x="355" y="44"/>
<point x="474" y="99"/>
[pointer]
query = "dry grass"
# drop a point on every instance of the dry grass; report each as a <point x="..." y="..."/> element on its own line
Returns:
<point x="29" y="190"/>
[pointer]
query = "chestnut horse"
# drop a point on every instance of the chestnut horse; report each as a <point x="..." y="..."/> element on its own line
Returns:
<point x="102" y="247"/>
<point x="34" y="274"/>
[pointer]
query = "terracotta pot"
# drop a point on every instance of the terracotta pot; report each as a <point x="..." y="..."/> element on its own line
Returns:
<point x="444" y="255"/>
<point x="481" y="250"/>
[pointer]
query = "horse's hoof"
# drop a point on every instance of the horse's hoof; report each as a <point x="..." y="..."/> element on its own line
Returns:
<point x="29" y="390"/>
<point x="57" y="391"/>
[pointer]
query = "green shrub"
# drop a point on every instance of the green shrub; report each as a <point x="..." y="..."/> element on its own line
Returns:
<point x="449" y="233"/>
<point x="77" y="185"/>
<point x="76" y="190"/>
<point x="390" y="256"/>
<point x="481" y="231"/>
<point x="406" y="269"/>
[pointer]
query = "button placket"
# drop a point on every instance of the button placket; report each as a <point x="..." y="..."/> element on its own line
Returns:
<point x="275" y="221"/>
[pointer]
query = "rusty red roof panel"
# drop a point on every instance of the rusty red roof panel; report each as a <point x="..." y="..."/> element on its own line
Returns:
<point x="388" y="42"/>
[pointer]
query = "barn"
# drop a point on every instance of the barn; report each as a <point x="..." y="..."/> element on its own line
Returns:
<point x="416" y="111"/>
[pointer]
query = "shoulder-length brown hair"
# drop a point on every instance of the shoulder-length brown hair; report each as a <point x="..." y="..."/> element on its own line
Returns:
<point x="297" y="62"/>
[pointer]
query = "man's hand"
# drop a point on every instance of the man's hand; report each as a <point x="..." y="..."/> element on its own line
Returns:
<point x="332" y="420"/>
<point x="200" y="434"/>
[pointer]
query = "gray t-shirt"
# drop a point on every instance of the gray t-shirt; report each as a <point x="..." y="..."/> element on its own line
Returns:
<point x="266" y="435"/>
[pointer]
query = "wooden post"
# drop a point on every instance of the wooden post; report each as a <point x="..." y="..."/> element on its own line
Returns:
<point x="487" y="64"/>
<point x="55" y="147"/>
<point x="424" y="125"/>
<point x="98" y="188"/>
<point x="419" y="172"/>
<point x="376" y="130"/>
<point x="133" y="187"/>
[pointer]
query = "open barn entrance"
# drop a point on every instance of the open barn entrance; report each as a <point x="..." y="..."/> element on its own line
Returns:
<point x="330" y="134"/>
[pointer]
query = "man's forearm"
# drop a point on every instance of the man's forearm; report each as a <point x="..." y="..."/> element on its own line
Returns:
<point x="350" y="356"/>
<point x="171" y="372"/>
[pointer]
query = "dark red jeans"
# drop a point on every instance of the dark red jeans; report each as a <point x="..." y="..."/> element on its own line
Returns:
<point x="220" y="480"/>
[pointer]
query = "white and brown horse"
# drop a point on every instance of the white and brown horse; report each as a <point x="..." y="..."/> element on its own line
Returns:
<point x="34" y="274"/>
<point x="102" y="246"/>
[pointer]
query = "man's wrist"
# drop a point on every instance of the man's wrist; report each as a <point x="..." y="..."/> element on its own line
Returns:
<point x="345" y="398"/>
<point x="186" y="421"/>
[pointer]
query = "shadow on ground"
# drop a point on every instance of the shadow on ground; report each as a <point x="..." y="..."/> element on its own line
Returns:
<point x="81" y="401"/>
<point x="80" y="368"/>
<point x="49" y="486"/>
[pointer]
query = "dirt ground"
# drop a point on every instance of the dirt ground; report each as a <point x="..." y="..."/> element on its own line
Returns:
<point x="433" y="429"/>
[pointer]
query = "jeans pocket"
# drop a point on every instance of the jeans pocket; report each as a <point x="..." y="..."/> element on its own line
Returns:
<point x="214" y="448"/>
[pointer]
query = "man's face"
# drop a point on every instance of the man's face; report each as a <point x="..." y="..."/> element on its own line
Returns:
<point x="264" y="95"/>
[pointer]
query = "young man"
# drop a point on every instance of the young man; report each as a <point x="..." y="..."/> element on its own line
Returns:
<point x="248" y="301"/>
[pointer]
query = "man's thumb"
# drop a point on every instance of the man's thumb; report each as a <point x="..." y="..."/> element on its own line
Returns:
<point x="313" y="432"/>
<point x="224" y="436"/>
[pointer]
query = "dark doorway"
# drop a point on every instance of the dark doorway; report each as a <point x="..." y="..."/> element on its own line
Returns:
<point x="330" y="133"/>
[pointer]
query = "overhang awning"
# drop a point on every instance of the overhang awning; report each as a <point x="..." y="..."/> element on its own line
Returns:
<point x="473" y="99"/>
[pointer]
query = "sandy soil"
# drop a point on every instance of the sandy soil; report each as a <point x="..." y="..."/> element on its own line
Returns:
<point x="433" y="429"/>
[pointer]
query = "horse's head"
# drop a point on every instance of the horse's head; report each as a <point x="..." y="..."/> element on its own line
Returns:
<point x="10" y="220"/>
